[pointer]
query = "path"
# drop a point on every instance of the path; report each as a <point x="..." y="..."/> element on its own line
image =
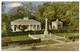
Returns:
<point x="58" y="41"/>
<point x="70" y="46"/>
<point x="58" y="46"/>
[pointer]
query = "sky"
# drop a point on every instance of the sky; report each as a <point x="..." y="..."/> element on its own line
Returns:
<point x="12" y="4"/>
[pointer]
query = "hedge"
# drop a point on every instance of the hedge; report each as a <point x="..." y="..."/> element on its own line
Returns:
<point x="22" y="42"/>
<point x="39" y="32"/>
<point x="22" y="33"/>
<point x="63" y="31"/>
<point x="5" y="40"/>
<point x="75" y="37"/>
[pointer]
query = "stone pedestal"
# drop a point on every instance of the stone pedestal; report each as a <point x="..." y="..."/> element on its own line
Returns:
<point x="45" y="32"/>
<point x="45" y="36"/>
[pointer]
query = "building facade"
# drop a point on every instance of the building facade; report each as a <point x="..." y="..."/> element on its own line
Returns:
<point x="57" y="24"/>
<point x="25" y="24"/>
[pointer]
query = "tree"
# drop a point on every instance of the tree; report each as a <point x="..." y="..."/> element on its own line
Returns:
<point x="16" y="10"/>
<point x="30" y="9"/>
<point x="22" y="28"/>
<point x="66" y="12"/>
<point x="73" y="14"/>
<point x="6" y="19"/>
<point x="27" y="10"/>
<point x="3" y="6"/>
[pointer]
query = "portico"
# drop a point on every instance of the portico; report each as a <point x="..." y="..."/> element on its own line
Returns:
<point x="27" y="24"/>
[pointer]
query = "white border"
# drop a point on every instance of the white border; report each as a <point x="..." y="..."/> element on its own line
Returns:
<point x="40" y="1"/>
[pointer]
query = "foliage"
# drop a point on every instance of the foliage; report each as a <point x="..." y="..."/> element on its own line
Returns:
<point x="6" y="19"/>
<point x="44" y="42"/>
<point x="22" y="42"/>
<point x="3" y="6"/>
<point x="5" y="40"/>
<point x="18" y="38"/>
<point x="67" y="12"/>
<point x="64" y="31"/>
<point x="66" y="34"/>
<point x="20" y="33"/>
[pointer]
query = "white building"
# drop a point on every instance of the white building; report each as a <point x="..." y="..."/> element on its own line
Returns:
<point x="57" y="24"/>
<point x="26" y="24"/>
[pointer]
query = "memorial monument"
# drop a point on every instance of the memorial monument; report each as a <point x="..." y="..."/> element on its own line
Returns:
<point x="45" y="35"/>
<point x="46" y="32"/>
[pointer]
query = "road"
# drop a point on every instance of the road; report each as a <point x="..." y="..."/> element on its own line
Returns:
<point x="70" y="46"/>
<point x="62" y="47"/>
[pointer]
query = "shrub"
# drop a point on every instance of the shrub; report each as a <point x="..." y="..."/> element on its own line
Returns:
<point x="75" y="37"/>
<point x="22" y="42"/>
<point x="23" y="33"/>
<point x="63" y="31"/>
<point x="40" y="32"/>
<point x="4" y="41"/>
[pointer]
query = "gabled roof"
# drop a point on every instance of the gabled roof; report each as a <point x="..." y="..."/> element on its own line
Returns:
<point x="25" y="22"/>
<point x="57" y="21"/>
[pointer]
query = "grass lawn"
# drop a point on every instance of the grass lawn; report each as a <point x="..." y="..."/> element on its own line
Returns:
<point x="65" y="34"/>
<point x="4" y="47"/>
<point x="44" y="42"/>
<point x="36" y="44"/>
<point x="64" y="40"/>
<point x="18" y="38"/>
<point x="25" y="37"/>
<point x="41" y="43"/>
<point x="68" y="40"/>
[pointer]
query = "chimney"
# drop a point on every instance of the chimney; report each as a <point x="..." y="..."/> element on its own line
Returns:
<point x="25" y="18"/>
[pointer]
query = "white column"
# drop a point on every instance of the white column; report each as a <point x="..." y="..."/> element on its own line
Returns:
<point x="52" y="26"/>
<point x="46" y="32"/>
<point x="32" y="27"/>
<point x="17" y="28"/>
<point x="13" y="28"/>
<point x="46" y="24"/>
<point x="36" y="27"/>
<point x="39" y="27"/>
<point x="29" y="27"/>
